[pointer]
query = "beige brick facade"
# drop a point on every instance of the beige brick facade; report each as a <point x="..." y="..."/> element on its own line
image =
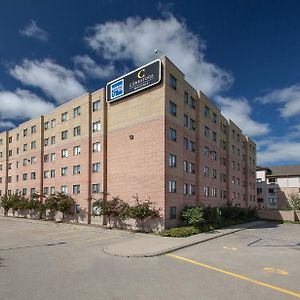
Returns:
<point x="124" y="148"/>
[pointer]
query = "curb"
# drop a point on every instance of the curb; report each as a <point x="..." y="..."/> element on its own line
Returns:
<point x="175" y="248"/>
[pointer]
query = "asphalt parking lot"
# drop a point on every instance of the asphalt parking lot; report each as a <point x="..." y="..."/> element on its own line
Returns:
<point x="60" y="261"/>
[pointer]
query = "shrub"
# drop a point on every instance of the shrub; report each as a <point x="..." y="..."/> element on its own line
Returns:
<point x="180" y="231"/>
<point x="211" y="215"/>
<point x="293" y="202"/>
<point x="192" y="216"/>
<point x="6" y="203"/>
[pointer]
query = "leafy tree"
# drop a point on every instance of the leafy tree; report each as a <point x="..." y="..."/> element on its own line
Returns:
<point x="143" y="210"/>
<point x="61" y="202"/>
<point x="6" y="203"/>
<point x="113" y="208"/>
<point x="192" y="216"/>
<point x="36" y="202"/>
<point x="293" y="202"/>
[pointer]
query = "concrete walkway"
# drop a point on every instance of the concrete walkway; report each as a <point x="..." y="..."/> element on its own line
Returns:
<point x="148" y="245"/>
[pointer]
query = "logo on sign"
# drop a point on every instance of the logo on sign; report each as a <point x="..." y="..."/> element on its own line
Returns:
<point x="117" y="89"/>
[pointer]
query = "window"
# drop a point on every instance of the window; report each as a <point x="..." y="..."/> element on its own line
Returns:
<point x="64" y="189"/>
<point x="32" y="175"/>
<point x="191" y="189"/>
<point x="206" y="151"/>
<point x="206" y="191"/>
<point x="206" y="111"/>
<point x="214" y="136"/>
<point x="259" y="190"/>
<point x="192" y="146"/>
<point x="272" y="180"/>
<point x="272" y="191"/>
<point x="76" y="170"/>
<point x="96" y="105"/>
<point x="10" y="153"/>
<point x="33" y="160"/>
<point x="172" y="212"/>
<point x="33" y="129"/>
<point x="24" y="192"/>
<point x="185" y="166"/>
<point x="214" y="118"/>
<point x="96" y="147"/>
<point x="272" y="201"/>
<point x="52" y="190"/>
<point x="46" y="190"/>
<point x="64" y="171"/>
<point x="33" y="145"/>
<point x="172" y="186"/>
<point x="193" y="103"/>
<point x="32" y="191"/>
<point x="1" y="141"/>
<point x="18" y="136"/>
<point x="10" y="139"/>
<point x="192" y="124"/>
<point x="173" y="82"/>
<point x="18" y="150"/>
<point x="186" y="97"/>
<point x="53" y="123"/>
<point x="76" y="189"/>
<point x="95" y="188"/>
<point x="185" y="120"/>
<point x="46" y="125"/>
<point x="9" y="179"/>
<point x="172" y="108"/>
<point x="25" y="162"/>
<point x="46" y="142"/>
<point x="214" y="173"/>
<point x="64" y="153"/>
<point x="52" y="140"/>
<point x="76" y="131"/>
<point x="96" y="167"/>
<point x="46" y="158"/>
<point x="214" y="155"/>
<point x="76" y="150"/>
<point x="25" y="147"/>
<point x="206" y="171"/>
<point x="64" y="117"/>
<point x="191" y="168"/>
<point x="76" y="111"/>
<point x="96" y="126"/>
<point x="9" y="166"/>
<point x="25" y="132"/>
<point x="46" y="174"/>
<point x="172" y="160"/>
<point x="185" y="189"/>
<point x="64" y="134"/>
<point x="172" y="134"/>
<point x="206" y="131"/>
<point x="24" y="176"/>
<point x="52" y="157"/>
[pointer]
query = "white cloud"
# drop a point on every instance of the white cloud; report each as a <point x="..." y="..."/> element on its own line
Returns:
<point x="288" y="97"/>
<point x="6" y="124"/>
<point x="239" y="111"/>
<point x="87" y="65"/>
<point x="32" y="30"/>
<point x="54" y="80"/>
<point x="277" y="151"/>
<point x="22" y="105"/>
<point x="135" y="39"/>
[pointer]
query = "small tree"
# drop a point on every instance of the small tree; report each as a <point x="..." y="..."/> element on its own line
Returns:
<point x="113" y="208"/>
<point x="36" y="202"/>
<point x="6" y="203"/>
<point x="293" y="201"/>
<point x="18" y="202"/>
<point x="143" y="210"/>
<point x="192" y="216"/>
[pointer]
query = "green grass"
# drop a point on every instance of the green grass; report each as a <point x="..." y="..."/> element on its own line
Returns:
<point x="291" y="222"/>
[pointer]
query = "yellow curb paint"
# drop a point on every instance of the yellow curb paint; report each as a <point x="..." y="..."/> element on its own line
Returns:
<point x="270" y="286"/>
<point x="277" y="271"/>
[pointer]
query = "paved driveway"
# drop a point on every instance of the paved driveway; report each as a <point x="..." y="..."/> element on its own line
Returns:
<point x="60" y="261"/>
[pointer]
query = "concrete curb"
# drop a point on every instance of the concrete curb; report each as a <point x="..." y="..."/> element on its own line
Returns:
<point x="188" y="244"/>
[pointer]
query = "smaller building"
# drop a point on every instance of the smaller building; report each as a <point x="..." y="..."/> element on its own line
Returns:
<point x="275" y="184"/>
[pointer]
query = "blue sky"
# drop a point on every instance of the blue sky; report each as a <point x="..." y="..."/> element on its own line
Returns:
<point x="243" y="54"/>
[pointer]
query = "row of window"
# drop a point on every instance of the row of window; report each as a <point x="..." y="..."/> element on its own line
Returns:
<point x="95" y="188"/>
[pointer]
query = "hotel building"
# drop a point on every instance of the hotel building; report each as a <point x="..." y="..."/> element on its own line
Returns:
<point x="154" y="137"/>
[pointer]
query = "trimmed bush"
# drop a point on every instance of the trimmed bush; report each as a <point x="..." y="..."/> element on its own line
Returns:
<point x="192" y="216"/>
<point x="180" y="231"/>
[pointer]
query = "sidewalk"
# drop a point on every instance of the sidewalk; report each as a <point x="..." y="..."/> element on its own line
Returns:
<point x="154" y="245"/>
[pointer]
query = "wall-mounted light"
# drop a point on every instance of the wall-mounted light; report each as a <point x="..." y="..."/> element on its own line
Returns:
<point x="131" y="136"/>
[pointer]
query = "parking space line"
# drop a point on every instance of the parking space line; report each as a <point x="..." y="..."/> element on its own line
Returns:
<point x="267" y="285"/>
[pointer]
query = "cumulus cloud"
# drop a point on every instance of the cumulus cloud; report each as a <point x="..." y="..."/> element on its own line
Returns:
<point x="239" y="111"/>
<point x="6" y="124"/>
<point x="279" y="150"/>
<point x="86" y="65"/>
<point x="54" y="80"/>
<point x="21" y="104"/>
<point x="135" y="39"/>
<point x="32" y="30"/>
<point x="288" y="97"/>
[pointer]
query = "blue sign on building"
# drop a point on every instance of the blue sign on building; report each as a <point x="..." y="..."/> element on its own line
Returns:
<point x="117" y="89"/>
